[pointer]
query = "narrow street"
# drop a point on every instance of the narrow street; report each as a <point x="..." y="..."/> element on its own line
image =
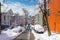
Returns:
<point x="27" y="35"/>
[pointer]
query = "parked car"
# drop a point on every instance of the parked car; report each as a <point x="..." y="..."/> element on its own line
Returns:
<point x="38" y="28"/>
<point x="18" y="29"/>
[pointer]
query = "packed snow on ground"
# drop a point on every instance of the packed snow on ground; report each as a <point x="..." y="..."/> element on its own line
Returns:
<point x="10" y="34"/>
<point x="45" y="36"/>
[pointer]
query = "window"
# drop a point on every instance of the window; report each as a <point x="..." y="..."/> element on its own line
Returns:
<point x="48" y="12"/>
<point x="48" y="1"/>
<point x="4" y="17"/>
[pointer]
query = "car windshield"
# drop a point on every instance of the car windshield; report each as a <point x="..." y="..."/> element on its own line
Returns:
<point x="11" y="27"/>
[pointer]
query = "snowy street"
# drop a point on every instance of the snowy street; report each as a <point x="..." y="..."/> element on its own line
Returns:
<point x="37" y="36"/>
<point x="15" y="33"/>
<point x="29" y="20"/>
<point x="28" y="34"/>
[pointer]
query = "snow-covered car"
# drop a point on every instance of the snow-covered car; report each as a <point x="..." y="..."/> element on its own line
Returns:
<point x="11" y="33"/>
<point x="38" y="28"/>
<point x="18" y="29"/>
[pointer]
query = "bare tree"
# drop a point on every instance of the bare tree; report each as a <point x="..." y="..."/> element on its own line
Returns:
<point x="43" y="8"/>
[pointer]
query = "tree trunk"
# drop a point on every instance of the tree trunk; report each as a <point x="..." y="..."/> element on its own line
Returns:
<point x="46" y="18"/>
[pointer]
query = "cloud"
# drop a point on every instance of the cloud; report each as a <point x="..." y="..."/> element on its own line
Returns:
<point x="33" y="9"/>
<point x="41" y="1"/>
<point x="1" y="0"/>
<point x="17" y="8"/>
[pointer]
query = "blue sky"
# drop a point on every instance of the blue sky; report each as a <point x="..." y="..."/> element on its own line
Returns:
<point x="25" y="2"/>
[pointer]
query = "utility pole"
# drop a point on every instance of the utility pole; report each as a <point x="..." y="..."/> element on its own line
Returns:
<point x="45" y="16"/>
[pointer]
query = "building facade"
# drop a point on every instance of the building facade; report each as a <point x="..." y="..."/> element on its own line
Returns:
<point x="6" y="18"/>
<point x="54" y="18"/>
<point x="18" y="20"/>
<point x="39" y="18"/>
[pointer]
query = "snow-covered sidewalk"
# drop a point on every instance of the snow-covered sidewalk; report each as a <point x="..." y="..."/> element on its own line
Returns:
<point x="45" y="36"/>
<point x="10" y="34"/>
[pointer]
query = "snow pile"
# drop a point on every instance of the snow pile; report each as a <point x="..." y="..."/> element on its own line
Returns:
<point x="4" y="37"/>
<point x="44" y="36"/>
<point x="10" y="34"/>
<point x="53" y="36"/>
